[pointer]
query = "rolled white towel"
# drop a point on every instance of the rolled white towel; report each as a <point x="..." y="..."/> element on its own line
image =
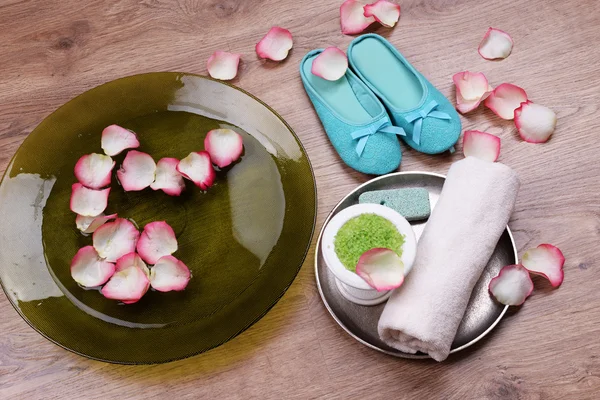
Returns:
<point x="473" y="210"/>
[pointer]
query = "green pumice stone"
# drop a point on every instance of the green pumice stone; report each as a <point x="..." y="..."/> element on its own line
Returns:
<point x="411" y="203"/>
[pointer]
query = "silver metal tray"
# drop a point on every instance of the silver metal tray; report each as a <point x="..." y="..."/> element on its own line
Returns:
<point x="482" y="314"/>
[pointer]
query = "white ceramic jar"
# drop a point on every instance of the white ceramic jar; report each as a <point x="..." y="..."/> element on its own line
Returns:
<point x="350" y="285"/>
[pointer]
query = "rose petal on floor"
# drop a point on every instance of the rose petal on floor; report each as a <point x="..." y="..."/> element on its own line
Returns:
<point x="512" y="286"/>
<point x="115" y="139"/>
<point x="168" y="179"/>
<point x="482" y="145"/>
<point x="352" y="17"/>
<point x="169" y="274"/>
<point x="224" y="146"/>
<point x="198" y="168"/>
<point x="275" y="45"/>
<point x="223" y="65"/>
<point x="88" y="202"/>
<point x="381" y="268"/>
<point x="331" y="64"/>
<point x="94" y="170"/>
<point x="157" y="240"/>
<point x="130" y="282"/>
<point x="137" y="171"/>
<point x="545" y="260"/>
<point x="89" y="270"/>
<point x="505" y="99"/>
<point x="471" y="89"/>
<point x="496" y="44"/>
<point x="90" y="224"/>
<point x="385" y="12"/>
<point x="535" y="123"/>
<point x="115" y="239"/>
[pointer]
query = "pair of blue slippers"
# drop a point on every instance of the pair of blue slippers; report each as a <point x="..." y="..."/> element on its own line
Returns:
<point x="380" y="98"/>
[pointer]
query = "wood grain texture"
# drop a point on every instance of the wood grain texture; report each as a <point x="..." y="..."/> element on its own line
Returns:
<point x="50" y="51"/>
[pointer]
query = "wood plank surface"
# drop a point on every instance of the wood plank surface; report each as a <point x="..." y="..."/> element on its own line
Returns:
<point x="50" y="51"/>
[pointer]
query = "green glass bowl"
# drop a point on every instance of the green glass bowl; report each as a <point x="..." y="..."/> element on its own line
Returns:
<point x="244" y="239"/>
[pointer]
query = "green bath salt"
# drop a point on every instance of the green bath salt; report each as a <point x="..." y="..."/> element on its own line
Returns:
<point x="366" y="232"/>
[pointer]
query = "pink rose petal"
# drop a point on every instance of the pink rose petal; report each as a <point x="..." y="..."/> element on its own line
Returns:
<point x="130" y="259"/>
<point x="115" y="139"/>
<point x="223" y="65"/>
<point x="482" y="145"/>
<point x="88" y="202"/>
<point x="127" y="261"/>
<point x="169" y="274"/>
<point x="495" y="44"/>
<point x="137" y="171"/>
<point x="384" y="12"/>
<point x="198" y="168"/>
<point x="535" y="123"/>
<point x="224" y="146"/>
<point x="381" y="268"/>
<point x="505" y="99"/>
<point x="115" y="239"/>
<point x="546" y="260"/>
<point x="90" y="224"/>
<point x="512" y="286"/>
<point x="331" y="64"/>
<point x="275" y="45"/>
<point x="157" y="240"/>
<point x="471" y="89"/>
<point x="89" y="270"/>
<point x="352" y="17"/>
<point x="130" y="281"/>
<point x="94" y="170"/>
<point x="168" y="179"/>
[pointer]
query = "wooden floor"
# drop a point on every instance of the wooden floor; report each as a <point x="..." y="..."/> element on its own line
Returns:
<point x="50" y="51"/>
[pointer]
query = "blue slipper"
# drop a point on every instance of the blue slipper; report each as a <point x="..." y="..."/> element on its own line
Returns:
<point x="431" y="123"/>
<point x="355" y="120"/>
